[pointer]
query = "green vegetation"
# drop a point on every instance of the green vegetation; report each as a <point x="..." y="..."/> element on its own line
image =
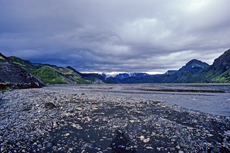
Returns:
<point x="48" y="75"/>
<point x="212" y="76"/>
<point x="5" y="87"/>
<point x="5" y="90"/>
<point x="30" y="67"/>
<point x="2" y="57"/>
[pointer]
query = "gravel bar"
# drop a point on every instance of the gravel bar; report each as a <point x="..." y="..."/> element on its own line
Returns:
<point x="46" y="120"/>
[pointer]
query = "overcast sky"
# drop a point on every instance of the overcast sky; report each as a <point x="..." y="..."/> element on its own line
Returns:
<point x="115" y="35"/>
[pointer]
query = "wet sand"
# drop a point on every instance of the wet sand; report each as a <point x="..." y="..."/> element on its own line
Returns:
<point x="108" y="118"/>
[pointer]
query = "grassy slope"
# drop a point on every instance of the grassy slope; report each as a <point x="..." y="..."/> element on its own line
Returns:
<point x="71" y="75"/>
<point x="49" y="74"/>
<point x="212" y="76"/>
<point x="218" y="72"/>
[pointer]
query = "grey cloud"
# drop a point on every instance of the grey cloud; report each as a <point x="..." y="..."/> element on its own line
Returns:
<point x="115" y="35"/>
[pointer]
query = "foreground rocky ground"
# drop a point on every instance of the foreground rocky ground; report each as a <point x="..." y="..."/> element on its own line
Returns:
<point x="45" y="120"/>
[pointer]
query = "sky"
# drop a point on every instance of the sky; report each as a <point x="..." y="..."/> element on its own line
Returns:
<point x="150" y="36"/>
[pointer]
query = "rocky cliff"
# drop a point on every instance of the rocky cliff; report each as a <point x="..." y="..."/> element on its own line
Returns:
<point x="13" y="76"/>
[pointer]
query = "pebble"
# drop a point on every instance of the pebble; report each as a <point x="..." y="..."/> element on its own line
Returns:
<point x="49" y="144"/>
<point x="131" y="121"/>
<point x="146" y="140"/>
<point x="150" y="148"/>
<point x="79" y="121"/>
<point x="178" y="147"/>
<point x="77" y="126"/>
<point x="142" y="138"/>
<point x="39" y="145"/>
<point x="67" y="134"/>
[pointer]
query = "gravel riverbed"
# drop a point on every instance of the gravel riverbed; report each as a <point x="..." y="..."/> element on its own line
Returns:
<point x="66" y="119"/>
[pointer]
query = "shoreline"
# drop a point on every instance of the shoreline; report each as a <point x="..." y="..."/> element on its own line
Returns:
<point x="98" y="122"/>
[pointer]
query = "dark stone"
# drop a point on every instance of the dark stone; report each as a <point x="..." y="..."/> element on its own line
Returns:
<point x="122" y="143"/>
<point x="214" y="150"/>
<point x="217" y="150"/>
<point x="49" y="105"/>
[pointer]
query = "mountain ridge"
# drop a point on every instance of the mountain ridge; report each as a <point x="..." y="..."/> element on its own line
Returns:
<point x="192" y="67"/>
<point x="52" y="74"/>
<point x="194" y="71"/>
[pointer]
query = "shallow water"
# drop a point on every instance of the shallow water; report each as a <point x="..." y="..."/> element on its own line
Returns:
<point x="216" y="102"/>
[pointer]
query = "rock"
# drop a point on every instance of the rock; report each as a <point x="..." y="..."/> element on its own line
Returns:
<point x="66" y="135"/>
<point x="166" y="129"/>
<point x="149" y="148"/>
<point x="15" y="76"/>
<point x="49" y="144"/>
<point x="131" y="121"/>
<point x="178" y="147"/>
<point x="122" y="143"/>
<point x="49" y="105"/>
<point x="144" y="131"/>
<point x="146" y="140"/>
<point x="214" y="150"/>
<point x="77" y="126"/>
<point x="39" y="145"/>
<point x="142" y="138"/>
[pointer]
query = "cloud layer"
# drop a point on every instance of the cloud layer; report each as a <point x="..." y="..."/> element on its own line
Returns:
<point x="115" y="35"/>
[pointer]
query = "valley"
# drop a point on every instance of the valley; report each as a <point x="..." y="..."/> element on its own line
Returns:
<point x="116" y="118"/>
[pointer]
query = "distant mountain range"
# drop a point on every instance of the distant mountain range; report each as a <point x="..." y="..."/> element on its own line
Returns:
<point x="191" y="68"/>
<point x="122" y="76"/>
<point x="18" y="73"/>
<point x="194" y="71"/>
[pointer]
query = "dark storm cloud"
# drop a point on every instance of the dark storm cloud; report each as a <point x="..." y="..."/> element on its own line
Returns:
<point x="107" y="36"/>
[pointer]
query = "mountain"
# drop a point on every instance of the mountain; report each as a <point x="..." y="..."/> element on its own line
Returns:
<point x="218" y="72"/>
<point x="193" y="67"/>
<point x="13" y="76"/>
<point x="93" y="77"/>
<point x="104" y="75"/>
<point x="50" y="74"/>
<point x="118" y="78"/>
<point x="182" y="75"/>
<point x="96" y="78"/>
<point x="26" y="74"/>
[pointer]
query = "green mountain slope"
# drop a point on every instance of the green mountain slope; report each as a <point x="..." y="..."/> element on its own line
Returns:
<point x="218" y="72"/>
<point x="50" y="74"/>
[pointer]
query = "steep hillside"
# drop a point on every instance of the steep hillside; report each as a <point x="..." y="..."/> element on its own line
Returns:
<point x="190" y="69"/>
<point x="218" y="72"/>
<point x="13" y="76"/>
<point x="50" y="74"/>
